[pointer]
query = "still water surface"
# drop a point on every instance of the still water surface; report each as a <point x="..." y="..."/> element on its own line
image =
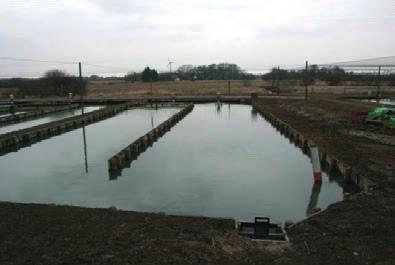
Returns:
<point x="47" y="118"/>
<point x="222" y="161"/>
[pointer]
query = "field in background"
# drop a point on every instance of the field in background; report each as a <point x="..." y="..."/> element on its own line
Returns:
<point x="121" y="89"/>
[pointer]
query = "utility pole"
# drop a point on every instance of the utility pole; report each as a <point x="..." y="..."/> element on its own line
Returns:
<point x="82" y="113"/>
<point x="306" y="82"/>
<point x="81" y="89"/>
<point x="278" y="80"/>
<point x="378" y="85"/>
<point x="231" y="78"/>
<point x="150" y="80"/>
<point x="12" y="104"/>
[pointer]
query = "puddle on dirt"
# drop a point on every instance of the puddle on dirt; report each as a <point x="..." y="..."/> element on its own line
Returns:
<point x="47" y="118"/>
<point x="219" y="161"/>
<point x="385" y="101"/>
<point x="7" y="114"/>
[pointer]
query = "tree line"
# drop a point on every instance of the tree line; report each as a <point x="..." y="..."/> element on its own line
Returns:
<point x="222" y="71"/>
<point x="59" y="83"/>
<point x="147" y="75"/>
<point x="331" y="75"/>
<point x="53" y="83"/>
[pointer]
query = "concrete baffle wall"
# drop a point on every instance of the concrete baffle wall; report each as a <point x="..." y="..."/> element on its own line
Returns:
<point x="124" y="157"/>
<point x="329" y="160"/>
<point x="33" y="114"/>
<point x="14" y="140"/>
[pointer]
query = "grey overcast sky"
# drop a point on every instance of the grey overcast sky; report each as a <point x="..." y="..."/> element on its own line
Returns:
<point x="255" y="34"/>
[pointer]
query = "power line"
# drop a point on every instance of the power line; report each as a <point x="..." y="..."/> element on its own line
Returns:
<point x="85" y="64"/>
<point x="364" y="62"/>
<point x="295" y="67"/>
<point x="35" y="61"/>
<point x="106" y="66"/>
<point x="64" y="62"/>
<point x="339" y="18"/>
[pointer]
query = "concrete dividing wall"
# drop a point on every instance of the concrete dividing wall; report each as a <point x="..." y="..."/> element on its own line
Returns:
<point x="123" y="158"/>
<point x="157" y="99"/>
<point x="14" y="140"/>
<point x="33" y="114"/>
<point x="329" y="160"/>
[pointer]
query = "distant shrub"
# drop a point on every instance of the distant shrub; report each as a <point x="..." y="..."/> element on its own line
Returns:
<point x="333" y="80"/>
<point x="54" y="83"/>
<point x="247" y="83"/>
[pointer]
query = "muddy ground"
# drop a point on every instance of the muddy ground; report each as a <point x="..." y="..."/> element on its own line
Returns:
<point x="358" y="230"/>
<point x="48" y="234"/>
<point x="328" y="123"/>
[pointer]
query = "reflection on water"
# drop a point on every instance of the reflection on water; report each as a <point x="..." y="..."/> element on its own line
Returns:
<point x="152" y="121"/>
<point x="85" y="149"/>
<point x="219" y="106"/>
<point x="232" y="165"/>
<point x="315" y="193"/>
<point x="48" y="118"/>
<point x="254" y="115"/>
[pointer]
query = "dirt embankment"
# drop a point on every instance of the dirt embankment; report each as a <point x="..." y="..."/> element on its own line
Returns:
<point x="48" y="234"/>
<point x="360" y="229"/>
<point x="328" y="123"/>
<point x="356" y="231"/>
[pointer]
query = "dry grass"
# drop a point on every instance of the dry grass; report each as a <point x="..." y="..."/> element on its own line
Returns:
<point x="121" y="89"/>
